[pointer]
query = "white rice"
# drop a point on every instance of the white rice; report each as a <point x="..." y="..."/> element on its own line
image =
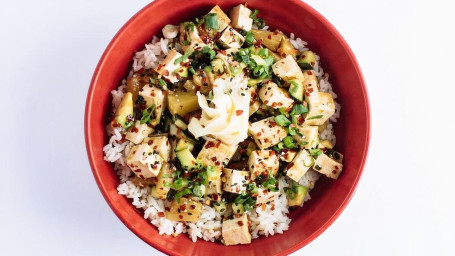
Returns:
<point x="272" y="220"/>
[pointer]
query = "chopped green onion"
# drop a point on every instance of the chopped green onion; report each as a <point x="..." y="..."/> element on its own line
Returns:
<point x="184" y="192"/>
<point x="315" y="152"/>
<point x="299" y="109"/>
<point x="192" y="71"/>
<point x="199" y="190"/>
<point x="282" y="120"/>
<point x="317" y="167"/>
<point x="162" y="82"/>
<point x="147" y="114"/>
<point x="249" y="38"/>
<point x="208" y="53"/>
<point x="289" y="142"/>
<point x="314" y="117"/>
<point x="211" y="21"/>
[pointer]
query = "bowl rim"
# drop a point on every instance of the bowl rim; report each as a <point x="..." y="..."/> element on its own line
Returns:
<point x="90" y="148"/>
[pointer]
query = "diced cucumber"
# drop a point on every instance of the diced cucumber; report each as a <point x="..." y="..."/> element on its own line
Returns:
<point x="296" y="89"/>
<point x="298" y="196"/>
<point x="307" y="60"/>
<point x="186" y="159"/>
<point x="238" y="208"/>
<point x="220" y="207"/>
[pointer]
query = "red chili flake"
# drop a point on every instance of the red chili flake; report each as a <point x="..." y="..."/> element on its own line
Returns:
<point x="310" y="90"/>
<point x="274" y="104"/>
<point x="275" y="32"/>
<point x="309" y="73"/>
<point x="140" y="71"/>
<point x="161" y="214"/>
<point x="209" y="144"/>
<point x="307" y="94"/>
<point x="258" y="134"/>
<point x="152" y="94"/>
<point x="150" y="142"/>
<point x="273" y="207"/>
<point x="218" y="144"/>
<point x="238" y="112"/>
<point x="213" y="158"/>
<point x="167" y="208"/>
<point x="181" y="217"/>
<point x="165" y="72"/>
<point x="123" y="138"/>
<point x="263" y="206"/>
<point x="312" y="63"/>
<point x="240" y="223"/>
<point x="280" y="104"/>
<point x="186" y="174"/>
<point x="215" y="197"/>
<point x="137" y="170"/>
<point x="159" y="67"/>
<point x="217" y="163"/>
<point x="266" y="140"/>
<point x="301" y="119"/>
<point x="265" y="102"/>
<point x="283" y="55"/>
<point x="334" y="171"/>
<point x="142" y="176"/>
<point x="242" y="151"/>
<point x="155" y="147"/>
<point x="166" y="92"/>
<point x="265" y="192"/>
<point x="289" y="166"/>
<point x="182" y="207"/>
<point x="269" y="37"/>
<point x="222" y="52"/>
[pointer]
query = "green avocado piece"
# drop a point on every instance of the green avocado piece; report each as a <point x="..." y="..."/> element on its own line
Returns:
<point x="307" y="60"/>
<point x="298" y="197"/>
<point x="296" y="89"/>
<point x="124" y="113"/>
<point x="187" y="160"/>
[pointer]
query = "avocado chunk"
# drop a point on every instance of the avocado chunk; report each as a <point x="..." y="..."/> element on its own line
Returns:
<point x="186" y="159"/>
<point x="217" y="66"/>
<point x="220" y="207"/>
<point x="184" y="144"/>
<point x="182" y="72"/>
<point x="238" y="208"/>
<point x="182" y="103"/>
<point x="296" y="198"/>
<point x="296" y="89"/>
<point x="307" y="60"/>
<point x="124" y="113"/>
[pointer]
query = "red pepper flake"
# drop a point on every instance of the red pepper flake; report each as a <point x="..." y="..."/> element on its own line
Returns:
<point x="137" y="170"/>
<point x="217" y="163"/>
<point x="140" y="71"/>
<point x="263" y="206"/>
<point x="309" y="73"/>
<point x="142" y="176"/>
<point x="238" y="112"/>
<point x="289" y="166"/>
<point x="150" y="142"/>
<point x="222" y="52"/>
<point x="240" y="223"/>
<point x="193" y="206"/>
<point x="165" y="72"/>
<point x="269" y="37"/>
<point x="166" y="92"/>
<point x="167" y="208"/>
<point x="334" y="171"/>
<point x="181" y="217"/>
<point x="209" y="144"/>
<point x="152" y="94"/>
<point x="218" y="144"/>
<point x="307" y="94"/>
<point x="275" y="32"/>
<point x="273" y="207"/>
<point x="213" y="158"/>
<point x="182" y="207"/>
<point x="187" y="174"/>
<point x="310" y="90"/>
<point x="258" y="134"/>
<point x="274" y="104"/>
<point x="265" y="192"/>
<point x="215" y="197"/>
<point x="265" y="102"/>
<point x="161" y="214"/>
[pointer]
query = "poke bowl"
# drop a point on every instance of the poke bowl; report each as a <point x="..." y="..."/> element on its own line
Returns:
<point x="216" y="119"/>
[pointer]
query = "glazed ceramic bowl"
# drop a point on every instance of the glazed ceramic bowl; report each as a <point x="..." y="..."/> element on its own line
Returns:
<point x="329" y="197"/>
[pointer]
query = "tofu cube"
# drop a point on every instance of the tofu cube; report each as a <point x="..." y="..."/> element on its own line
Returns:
<point x="216" y="153"/>
<point x="235" y="231"/>
<point x="300" y="165"/>
<point x="274" y="96"/>
<point x="287" y="69"/>
<point x="321" y="107"/>
<point x="240" y="17"/>
<point x="265" y="196"/>
<point x="167" y="67"/>
<point x="153" y="95"/>
<point x="235" y="181"/>
<point x="308" y="136"/>
<point x="310" y="83"/>
<point x="328" y="166"/>
<point x="186" y="210"/>
<point x="214" y="189"/>
<point x="230" y="38"/>
<point x="138" y="132"/>
<point x="160" y="145"/>
<point x="189" y="37"/>
<point x="255" y="103"/>
<point x="266" y="132"/>
<point x="223" y="21"/>
<point x="287" y="155"/>
<point x="144" y="162"/>
<point x="263" y="161"/>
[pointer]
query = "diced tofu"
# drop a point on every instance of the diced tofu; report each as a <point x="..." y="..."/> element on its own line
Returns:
<point x="144" y="162"/>
<point x="287" y="69"/>
<point x="321" y="107"/>
<point x="254" y="100"/>
<point x="328" y="166"/>
<point x="223" y="20"/>
<point x="236" y="181"/>
<point x="240" y="17"/>
<point x="161" y="145"/>
<point x="139" y="132"/>
<point x="230" y="38"/>
<point x="310" y="82"/>
<point x="287" y="155"/>
<point x="235" y="231"/>
<point x="153" y="95"/>
<point x="265" y="196"/>
<point x="310" y="136"/>
<point x="186" y="210"/>
<point x="270" y="39"/>
<point x="266" y="132"/>
<point x="263" y="161"/>
<point x="274" y="96"/>
<point x="300" y="165"/>
<point x="189" y="36"/>
<point x="216" y="153"/>
<point x="167" y="67"/>
<point x="214" y="189"/>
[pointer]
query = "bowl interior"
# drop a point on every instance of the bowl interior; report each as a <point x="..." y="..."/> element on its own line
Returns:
<point x="328" y="198"/>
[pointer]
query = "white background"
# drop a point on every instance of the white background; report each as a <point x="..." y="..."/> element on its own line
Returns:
<point x="50" y="204"/>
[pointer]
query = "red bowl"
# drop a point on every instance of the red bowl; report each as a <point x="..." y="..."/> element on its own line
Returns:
<point x="329" y="197"/>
